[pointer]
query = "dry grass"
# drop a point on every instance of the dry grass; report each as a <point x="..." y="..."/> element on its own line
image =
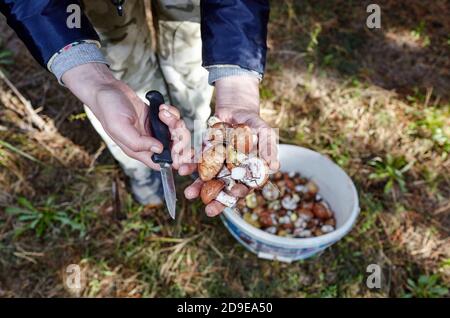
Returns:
<point x="332" y="85"/>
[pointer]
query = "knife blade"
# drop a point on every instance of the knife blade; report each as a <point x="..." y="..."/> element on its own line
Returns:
<point x="169" y="189"/>
<point x="160" y="131"/>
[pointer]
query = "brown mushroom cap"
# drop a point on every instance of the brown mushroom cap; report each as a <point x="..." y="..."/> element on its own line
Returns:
<point x="211" y="189"/>
<point x="217" y="133"/>
<point x="321" y="211"/>
<point x="211" y="162"/>
<point x="241" y="137"/>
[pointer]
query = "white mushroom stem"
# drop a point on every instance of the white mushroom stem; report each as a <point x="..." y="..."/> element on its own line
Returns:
<point x="229" y="182"/>
<point x="238" y="173"/>
<point x="225" y="172"/>
<point x="226" y="199"/>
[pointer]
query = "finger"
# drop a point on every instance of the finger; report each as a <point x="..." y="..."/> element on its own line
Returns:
<point x="143" y="156"/>
<point x="267" y="141"/>
<point x="193" y="191"/>
<point x="184" y="157"/>
<point x="268" y="147"/>
<point x="187" y="169"/>
<point x="181" y="137"/>
<point x="239" y="191"/>
<point x="187" y="163"/>
<point x="214" y="208"/>
<point x="168" y="118"/>
<point x="173" y="110"/>
<point x="125" y="133"/>
<point x="175" y="161"/>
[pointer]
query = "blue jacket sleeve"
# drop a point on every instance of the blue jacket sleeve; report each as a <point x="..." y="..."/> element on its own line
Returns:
<point x="42" y="25"/>
<point x="234" y="32"/>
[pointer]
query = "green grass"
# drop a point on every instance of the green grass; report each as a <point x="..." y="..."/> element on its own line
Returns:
<point x="426" y="287"/>
<point x="391" y="171"/>
<point x="44" y="218"/>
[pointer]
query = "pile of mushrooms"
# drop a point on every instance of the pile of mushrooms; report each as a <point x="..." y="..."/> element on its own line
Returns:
<point x="227" y="159"/>
<point x="288" y="205"/>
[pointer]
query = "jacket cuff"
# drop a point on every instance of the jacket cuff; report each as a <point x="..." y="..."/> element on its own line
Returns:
<point x="217" y="72"/>
<point x="75" y="56"/>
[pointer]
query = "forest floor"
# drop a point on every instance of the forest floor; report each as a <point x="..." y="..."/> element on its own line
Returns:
<point x="377" y="102"/>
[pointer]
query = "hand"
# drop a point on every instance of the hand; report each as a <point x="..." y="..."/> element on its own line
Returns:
<point x="122" y="114"/>
<point x="237" y="101"/>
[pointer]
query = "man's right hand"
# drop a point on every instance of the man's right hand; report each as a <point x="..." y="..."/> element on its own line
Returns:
<point x="122" y="114"/>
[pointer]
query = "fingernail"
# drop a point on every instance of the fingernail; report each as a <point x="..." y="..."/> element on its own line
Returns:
<point x="156" y="149"/>
<point x="164" y="107"/>
<point x="166" y="113"/>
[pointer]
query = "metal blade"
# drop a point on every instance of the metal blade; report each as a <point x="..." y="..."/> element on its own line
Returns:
<point x="170" y="193"/>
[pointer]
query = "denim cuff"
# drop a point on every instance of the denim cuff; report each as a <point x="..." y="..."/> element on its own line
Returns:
<point x="75" y="56"/>
<point x="217" y="72"/>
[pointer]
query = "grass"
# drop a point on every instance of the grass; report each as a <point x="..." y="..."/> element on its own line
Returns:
<point x="331" y="85"/>
<point x="42" y="219"/>
<point x="426" y="287"/>
<point x="391" y="170"/>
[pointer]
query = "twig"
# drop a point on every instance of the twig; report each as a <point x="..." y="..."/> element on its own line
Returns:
<point x="95" y="157"/>
<point x="34" y="117"/>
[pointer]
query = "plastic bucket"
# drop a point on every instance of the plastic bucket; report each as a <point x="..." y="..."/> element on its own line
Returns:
<point x="335" y="187"/>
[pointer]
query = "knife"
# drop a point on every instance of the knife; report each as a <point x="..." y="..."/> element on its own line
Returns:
<point x="160" y="131"/>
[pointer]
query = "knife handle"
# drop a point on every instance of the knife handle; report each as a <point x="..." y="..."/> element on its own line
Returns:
<point x="157" y="128"/>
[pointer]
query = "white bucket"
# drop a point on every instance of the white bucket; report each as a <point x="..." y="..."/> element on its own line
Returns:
<point x="335" y="187"/>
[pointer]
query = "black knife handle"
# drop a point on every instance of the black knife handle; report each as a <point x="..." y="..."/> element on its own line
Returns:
<point x="158" y="129"/>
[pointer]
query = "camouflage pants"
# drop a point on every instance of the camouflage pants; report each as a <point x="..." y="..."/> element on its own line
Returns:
<point x="174" y="67"/>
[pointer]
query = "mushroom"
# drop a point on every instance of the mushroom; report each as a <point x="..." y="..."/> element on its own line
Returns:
<point x="224" y="172"/>
<point x="251" y="200"/>
<point x="271" y="230"/>
<point x="238" y="173"/>
<point x="300" y="188"/>
<point x="234" y="158"/>
<point x="226" y="199"/>
<point x="330" y="221"/>
<point x="302" y="233"/>
<point x="289" y="202"/>
<point x="274" y="205"/>
<point x="229" y="182"/>
<point x="266" y="219"/>
<point x="211" y="162"/>
<point x="321" y="211"/>
<point x="213" y="120"/>
<point x="257" y="172"/>
<point x="270" y="192"/>
<point x="211" y="189"/>
<point x="312" y="188"/>
<point x="217" y="133"/>
<point x="305" y="214"/>
<point x="241" y="138"/>
<point x="327" y="228"/>
<point x="249" y="218"/>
